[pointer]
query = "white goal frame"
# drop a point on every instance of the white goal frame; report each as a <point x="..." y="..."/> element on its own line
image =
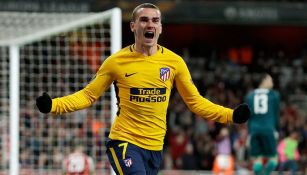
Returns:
<point x="14" y="58"/>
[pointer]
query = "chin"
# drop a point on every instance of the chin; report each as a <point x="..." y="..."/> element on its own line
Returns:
<point x="149" y="44"/>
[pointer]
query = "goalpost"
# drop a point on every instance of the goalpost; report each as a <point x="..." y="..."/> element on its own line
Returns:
<point x="58" y="53"/>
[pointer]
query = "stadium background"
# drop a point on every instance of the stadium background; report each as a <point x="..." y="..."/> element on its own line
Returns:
<point x="224" y="43"/>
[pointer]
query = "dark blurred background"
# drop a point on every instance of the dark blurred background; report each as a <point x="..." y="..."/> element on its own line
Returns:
<point x="202" y="25"/>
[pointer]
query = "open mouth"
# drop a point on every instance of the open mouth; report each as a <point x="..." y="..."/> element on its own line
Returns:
<point x="149" y="35"/>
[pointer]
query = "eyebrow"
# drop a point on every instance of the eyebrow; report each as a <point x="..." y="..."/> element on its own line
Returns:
<point x="146" y="17"/>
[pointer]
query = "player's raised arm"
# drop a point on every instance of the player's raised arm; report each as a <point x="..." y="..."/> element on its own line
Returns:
<point x="202" y="106"/>
<point x="78" y="100"/>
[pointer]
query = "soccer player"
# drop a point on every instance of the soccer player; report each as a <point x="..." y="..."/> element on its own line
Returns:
<point x="263" y="124"/>
<point x="78" y="163"/>
<point x="143" y="75"/>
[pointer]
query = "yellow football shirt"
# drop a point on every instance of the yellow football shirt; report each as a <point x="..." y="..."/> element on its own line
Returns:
<point x="143" y="85"/>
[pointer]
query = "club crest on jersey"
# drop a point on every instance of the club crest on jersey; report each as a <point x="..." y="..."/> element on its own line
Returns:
<point x="164" y="73"/>
<point x="128" y="162"/>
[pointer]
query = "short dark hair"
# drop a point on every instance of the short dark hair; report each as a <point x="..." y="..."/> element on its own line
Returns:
<point x="259" y="77"/>
<point x="144" y="5"/>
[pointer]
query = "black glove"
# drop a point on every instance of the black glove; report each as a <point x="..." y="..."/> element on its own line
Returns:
<point x="241" y="114"/>
<point x="44" y="103"/>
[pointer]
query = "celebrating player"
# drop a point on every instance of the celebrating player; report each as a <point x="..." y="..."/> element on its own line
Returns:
<point x="143" y="75"/>
<point x="263" y="124"/>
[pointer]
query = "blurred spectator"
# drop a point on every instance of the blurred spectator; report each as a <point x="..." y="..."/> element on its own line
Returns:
<point x="240" y="149"/>
<point x="82" y="47"/>
<point x="204" y="147"/>
<point x="178" y="142"/>
<point x="167" y="163"/>
<point x="25" y="161"/>
<point x="57" y="158"/>
<point x="189" y="160"/>
<point x="288" y="153"/>
<point x="43" y="160"/>
<point x="223" y="162"/>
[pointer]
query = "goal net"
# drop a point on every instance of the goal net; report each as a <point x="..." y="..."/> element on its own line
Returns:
<point x="56" y="53"/>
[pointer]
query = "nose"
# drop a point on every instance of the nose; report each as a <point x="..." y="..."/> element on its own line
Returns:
<point x="150" y="22"/>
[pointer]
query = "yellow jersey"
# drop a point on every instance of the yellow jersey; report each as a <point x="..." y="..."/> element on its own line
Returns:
<point x="143" y="86"/>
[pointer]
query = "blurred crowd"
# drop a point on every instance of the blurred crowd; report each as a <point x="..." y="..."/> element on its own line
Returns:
<point x="193" y="143"/>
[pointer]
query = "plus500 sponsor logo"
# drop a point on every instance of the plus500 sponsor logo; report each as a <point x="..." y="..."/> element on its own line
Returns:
<point x="148" y="94"/>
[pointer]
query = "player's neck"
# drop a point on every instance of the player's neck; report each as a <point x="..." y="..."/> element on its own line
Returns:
<point x="146" y="50"/>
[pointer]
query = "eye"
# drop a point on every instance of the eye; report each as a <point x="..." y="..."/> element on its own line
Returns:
<point x="144" y="19"/>
<point x="155" y="20"/>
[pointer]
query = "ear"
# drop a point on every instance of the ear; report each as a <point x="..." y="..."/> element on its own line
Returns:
<point x="132" y="26"/>
<point x="160" y="29"/>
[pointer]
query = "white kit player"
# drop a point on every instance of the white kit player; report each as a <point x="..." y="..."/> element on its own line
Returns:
<point x="78" y="163"/>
